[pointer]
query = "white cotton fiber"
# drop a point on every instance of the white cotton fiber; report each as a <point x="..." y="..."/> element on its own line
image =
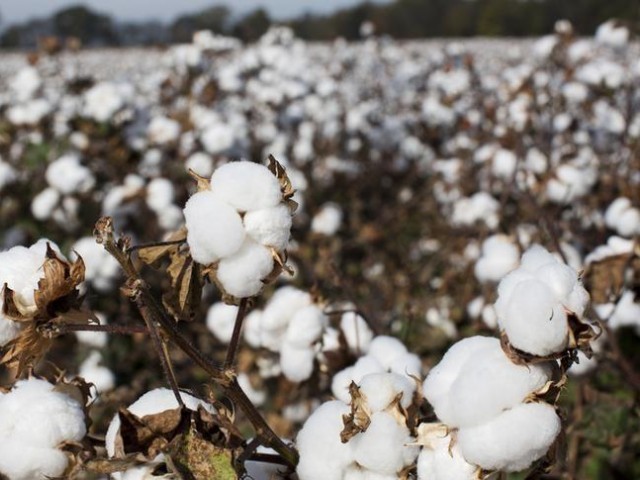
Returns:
<point x="152" y="402"/>
<point x="341" y="380"/>
<point x="306" y="326"/>
<point x="221" y="319"/>
<point x="160" y="194"/>
<point x="513" y="440"/>
<point x="246" y="186"/>
<point x="380" y="389"/>
<point x="383" y="446"/>
<point x="488" y="384"/>
<point x="241" y="274"/>
<point x="284" y="304"/>
<point x="269" y="226"/>
<point x="328" y="219"/>
<point x="100" y="376"/>
<point x="101" y="269"/>
<point x="355" y="472"/>
<point x="35" y="420"/>
<point x="356" y="332"/>
<point x="296" y="363"/>
<point x="44" y="203"/>
<point x="407" y="364"/>
<point x="322" y="455"/>
<point x="499" y="256"/>
<point x="68" y="175"/>
<point x="386" y="350"/>
<point x="214" y="228"/>
<point x="442" y="460"/>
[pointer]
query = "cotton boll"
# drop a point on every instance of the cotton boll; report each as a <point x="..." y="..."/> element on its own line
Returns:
<point x="25" y="462"/>
<point x="355" y="472"/>
<point x="284" y="304"/>
<point x="328" y="220"/>
<point x="241" y="274"/>
<point x="296" y="363"/>
<point x="201" y="163"/>
<point x="269" y="226"/>
<point x="152" y="402"/>
<point x="101" y="269"/>
<point x="442" y="460"/>
<point x="499" y="256"/>
<point x="221" y="318"/>
<point x="160" y="194"/>
<point x="615" y="210"/>
<point x="380" y="389"/>
<point x="170" y="218"/>
<point x="356" y="332"/>
<point x="44" y="203"/>
<point x="253" y="328"/>
<point x="504" y="164"/>
<point x="246" y="186"/>
<point x="534" y="321"/>
<point x="163" y="130"/>
<point x="306" y="326"/>
<point x="629" y="223"/>
<point x="488" y="384"/>
<point x="381" y="447"/>
<point x="68" y="176"/>
<point x="407" y="364"/>
<point x="536" y="257"/>
<point x="322" y="455"/>
<point x="513" y="440"/>
<point x="9" y="329"/>
<point x="386" y="350"/>
<point x="94" y="339"/>
<point x="218" y="138"/>
<point x="100" y="376"/>
<point x="215" y="229"/>
<point x="559" y="278"/>
<point x="341" y="380"/>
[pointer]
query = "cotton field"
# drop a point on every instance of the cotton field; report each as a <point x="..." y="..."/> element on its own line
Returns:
<point x="371" y="260"/>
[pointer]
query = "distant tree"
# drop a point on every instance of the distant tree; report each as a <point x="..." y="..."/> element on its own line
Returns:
<point x="90" y="27"/>
<point x="214" y="18"/>
<point x="253" y="25"/>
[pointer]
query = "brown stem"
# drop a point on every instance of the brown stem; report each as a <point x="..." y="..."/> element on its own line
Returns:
<point x="157" y="244"/>
<point x="63" y="328"/>
<point x="230" y="360"/>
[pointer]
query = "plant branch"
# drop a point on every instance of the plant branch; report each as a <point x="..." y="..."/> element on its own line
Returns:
<point x="230" y="360"/>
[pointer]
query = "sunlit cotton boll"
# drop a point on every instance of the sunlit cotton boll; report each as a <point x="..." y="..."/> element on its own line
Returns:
<point x="500" y="255"/>
<point x="100" y="376"/>
<point x="513" y="440"/>
<point x="322" y="455"/>
<point x="246" y="186"/>
<point x="269" y="226"/>
<point x="241" y="274"/>
<point x="306" y="326"/>
<point x="34" y="421"/>
<point x="214" y="229"/>
<point x="442" y="460"/>
<point x="296" y="363"/>
<point x="381" y="389"/>
<point x="163" y="130"/>
<point x="328" y="220"/>
<point x="68" y="175"/>
<point x="356" y="331"/>
<point x="101" y="269"/>
<point x="221" y="319"/>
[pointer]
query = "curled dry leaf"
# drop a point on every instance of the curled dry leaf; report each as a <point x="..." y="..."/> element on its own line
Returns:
<point x="285" y="183"/>
<point x="202" y="183"/>
<point x="606" y="279"/>
<point x="360" y="417"/>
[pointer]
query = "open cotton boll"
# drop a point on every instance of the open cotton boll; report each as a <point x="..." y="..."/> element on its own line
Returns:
<point x="241" y="274"/>
<point x="513" y="440"/>
<point x="221" y="319"/>
<point x="407" y="364"/>
<point x="355" y="472"/>
<point x="253" y="328"/>
<point x="322" y="455"/>
<point x="35" y="420"/>
<point x="383" y="446"/>
<point x="355" y="373"/>
<point x="504" y="164"/>
<point x="488" y="384"/>
<point x="559" y="278"/>
<point x="614" y="210"/>
<point x="163" y="130"/>
<point x="68" y="175"/>
<point x="306" y="326"/>
<point x="201" y="163"/>
<point x="499" y="256"/>
<point x="152" y="402"/>
<point x="534" y="321"/>
<point x="296" y="363"/>
<point x="160" y="194"/>
<point x="257" y="397"/>
<point x="246" y="186"/>
<point x="328" y="219"/>
<point x="442" y="460"/>
<point x="100" y="376"/>
<point x="438" y="383"/>
<point x="101" y="269"/>
<point x="380" y="389"/>
<point x="214" y="229"/>
<point x="217" y="138"/>
<point x="356" y="332"/>
<point x="386" y="350"/>
<point x="44" y="203"/>
<point x="269" y="226"/>
<point x="284" y="304"/>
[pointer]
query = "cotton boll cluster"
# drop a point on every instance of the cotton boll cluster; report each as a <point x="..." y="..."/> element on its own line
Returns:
<point x="385" y="354"/>
<point x="499" y="256"/>
<point x="480" y="207"/>
<point x="21" y="270"/>
<point x="35" y="420"/>
<point x="101" y="269"/>
<point x="239" y="223"/>
<point x="622" y="217"/>
<point x="379" y="449"/>
<point x="440" y="457"/>
<point x="163" y="131"/>
<point x="535" y="300"/>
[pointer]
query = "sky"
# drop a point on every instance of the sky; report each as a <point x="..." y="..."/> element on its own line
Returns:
<point x="15" y="11"/>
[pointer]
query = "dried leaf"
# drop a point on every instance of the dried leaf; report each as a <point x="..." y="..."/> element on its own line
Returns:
<point x="14" y="310"/>
<point x="203" y="183"/>
<point x="605" y="279"/>
<point x="359" y="418"/>
<point x="25" y="350"/>
<point x="186" y="280"/>
<point x="194" y="457"/>
<point x="154" y="254"/>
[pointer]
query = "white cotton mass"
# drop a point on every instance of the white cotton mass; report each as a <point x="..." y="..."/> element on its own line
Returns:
<point x="221" y="319"/>
<point x="623" y="217"/>
<point x="241" y="274"/>
<point x="201" y="163"/>
<point x="480" y="207"/>
<point x="513" y="440"/>
<point x="356" y="332"/>
<point x="355" y="373"/>
<point x="269" y="226"/>
<point x="100" y="376"/>
<point x="160" y="194"/>
<point x="284" y="304"/>
<point x="306" y="326"/>
<point x="499" y="256"/>
<point x="381" y="389"/>
<point x="35" y="420"/>
<point x="163" y="130"/>
<point x="296" y="363"/>
<point x="384" y="446"/>
<point x="152" y="402"/>
<point x="442" y="460"/>
<point x="101" y="269"/>
<point x="67" y="175"/>
<point x="327" y="220"/>
<point x="322" y="455"/>
<point x="214" y="229"/>
<point x="246" y="186"/>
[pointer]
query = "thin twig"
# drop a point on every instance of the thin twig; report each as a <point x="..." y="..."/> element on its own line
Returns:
<point x="230" y="360"/>
<point x="157" y="244"/>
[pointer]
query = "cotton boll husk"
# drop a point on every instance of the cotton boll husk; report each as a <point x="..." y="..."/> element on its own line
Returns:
<point x="241" y="274"/>
<point x="322" y="455"/>
<point x="215" y="229"/>
<point x="269" y="226"/>
<point x="513" y="440"/>
<point x="286" y="301"/>
<point x="306" y="326"/>
<point x="356" y="332"/>
<point x="380" y="389"/>
<point x="221" y="319"/>
<point x="488" y="384"/>
<point x="383" y="446"/>
<point x="341" y="380"/>
<point x="443" y="461"/>
<point x="386" y="350"/>
<point x="296" y="363"/>
<point x="246" y="186"/>
<point x="438" y="383"/>
<point x="407" y="364"/>
<point x="152" y="402"/>
<point x="534" y="321"/>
